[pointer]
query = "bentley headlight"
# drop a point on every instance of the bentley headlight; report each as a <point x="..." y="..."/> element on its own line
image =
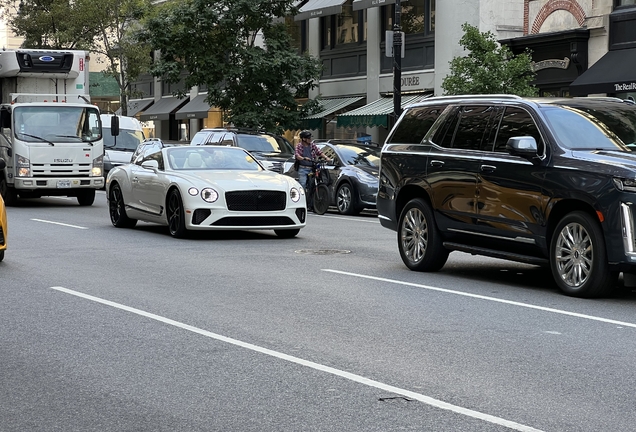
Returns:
<point x="294" y="194"/>
<point x="625" y="184"/>
<point x="209" y="195"/>
<point x="193" y="191"/>
<point x="98" y="166"/>
<point x="23" y="166"/>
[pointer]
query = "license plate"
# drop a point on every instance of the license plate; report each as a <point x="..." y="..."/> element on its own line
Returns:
<point x="63" y="184"/>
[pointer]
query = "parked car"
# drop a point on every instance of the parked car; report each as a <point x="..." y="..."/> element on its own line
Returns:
<point x="3" y="219"/>
<point x="270" y="149"/>
<point x="550" y="182"/>
<point x="118" y="149"/>
<point x="203" y="188"/>
<point x="354" y="176"/>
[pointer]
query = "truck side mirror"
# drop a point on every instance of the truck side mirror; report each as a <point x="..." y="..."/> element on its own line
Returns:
<point x="114" y="125"/>
<point x="5" y="118"/>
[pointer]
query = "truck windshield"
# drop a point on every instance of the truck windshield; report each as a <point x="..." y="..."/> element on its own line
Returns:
<point x="56" y="124"/>
<point x="127" y="140"/>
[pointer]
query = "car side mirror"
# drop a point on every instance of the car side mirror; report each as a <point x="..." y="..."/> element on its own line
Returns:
<point x="3" y="164"/>
<point x="152" y="165"/>
<point x="525" y="146"/>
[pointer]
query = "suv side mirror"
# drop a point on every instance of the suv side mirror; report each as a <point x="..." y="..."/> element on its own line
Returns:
<point x="522" y="146"/>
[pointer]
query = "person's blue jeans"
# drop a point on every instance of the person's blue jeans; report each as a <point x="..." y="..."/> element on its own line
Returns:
<point x="303" y="172"/>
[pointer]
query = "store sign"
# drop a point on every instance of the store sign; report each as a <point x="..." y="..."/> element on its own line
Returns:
<point x="551" y="64"/>
<point x="624" y="87"/>
<point x="411" y="81"/>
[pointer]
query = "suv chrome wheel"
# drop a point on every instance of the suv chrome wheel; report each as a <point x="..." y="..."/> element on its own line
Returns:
<point x="419" y="240"/>
<point x="578" y="258"/>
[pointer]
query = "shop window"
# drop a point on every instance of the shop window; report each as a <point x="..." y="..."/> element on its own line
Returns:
<point x="417" y="17"/>
<point x="619" y="3"/>
<point x="348" y="27"/>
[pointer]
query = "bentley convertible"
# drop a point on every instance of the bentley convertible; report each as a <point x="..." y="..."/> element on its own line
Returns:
<point x="191" y="188"/>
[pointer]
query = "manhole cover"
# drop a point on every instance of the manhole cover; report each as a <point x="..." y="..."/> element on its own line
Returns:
<point x="322" y="251"/>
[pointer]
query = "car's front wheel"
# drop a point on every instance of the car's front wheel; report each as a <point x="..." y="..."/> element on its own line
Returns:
<point x="176" y="215"/>
<point x="117" y="209"/>
<point x="578" y="258"/>
<point x="419" y="240"/>
<point x="345" y="200"/>
<point x="287" y="233"/>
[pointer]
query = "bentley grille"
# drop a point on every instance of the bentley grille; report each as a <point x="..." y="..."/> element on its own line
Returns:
<point x="256" y="200"/>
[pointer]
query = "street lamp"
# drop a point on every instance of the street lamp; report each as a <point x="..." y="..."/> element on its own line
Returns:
<point x="397" y="61"/>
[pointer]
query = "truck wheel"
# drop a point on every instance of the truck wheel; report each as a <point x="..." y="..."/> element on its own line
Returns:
<point x="9" y="194"/>
<point x="578" y="258"/>
<point x="419" y="240"/>
<point x="86" y="197"/>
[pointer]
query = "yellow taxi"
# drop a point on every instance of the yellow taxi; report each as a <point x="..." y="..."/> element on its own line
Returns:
<point x="3" y="220"/>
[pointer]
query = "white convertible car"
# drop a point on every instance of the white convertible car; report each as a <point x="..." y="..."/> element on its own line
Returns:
<point x="192" y="188"/>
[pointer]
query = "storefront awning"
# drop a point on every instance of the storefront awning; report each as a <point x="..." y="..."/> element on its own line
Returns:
<point x="376" y="113"/>
<point x="134" y="106"/>
<point x="366" y="4"/>
<point x="195" y="109"/>
<point x="162" y="109"/>
<point x="615" y="72"/>
<point x="319" y="8"/>
<point x="327" y="107"/>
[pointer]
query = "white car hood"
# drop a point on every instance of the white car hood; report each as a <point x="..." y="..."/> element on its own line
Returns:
<point x="242" y="180"/>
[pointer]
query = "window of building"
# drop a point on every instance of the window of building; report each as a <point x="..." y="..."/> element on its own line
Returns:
<point x="619" y="3"/>
<point x="417" y="17"/>
<point x="348" y="27"/>
<point x="299" y="32"/>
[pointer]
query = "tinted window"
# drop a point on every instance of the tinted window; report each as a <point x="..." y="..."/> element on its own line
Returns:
<point x="360" y="155"/>
<point x="473" y="124"/>
<point x="263" y="143"/>
<point x="415" y="124"/>
<point x="444" y="134"/>
<point x="199" y="138"/>
<point x="516" y="122"/>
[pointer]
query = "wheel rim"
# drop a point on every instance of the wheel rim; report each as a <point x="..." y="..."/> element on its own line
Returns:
<point x="344" y="199"/>
<point x="414" y="235"/>
<point x="116" y="204"/>
<point x="574" y="255"/>
<point x="174" y="213"/>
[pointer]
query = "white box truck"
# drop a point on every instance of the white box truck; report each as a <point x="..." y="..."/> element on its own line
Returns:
<point x="50" y="133"/>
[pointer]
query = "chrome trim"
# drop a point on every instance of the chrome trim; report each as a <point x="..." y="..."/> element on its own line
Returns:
<point x="627" y="229"/>
<point x="384" y="217"/>
<point x="516" y="239"/>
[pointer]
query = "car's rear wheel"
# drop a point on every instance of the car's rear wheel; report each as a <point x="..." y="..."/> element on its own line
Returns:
<point x="287" y="233"/>
<point x="86" y="197"/>
<point x="419" y="240"/>
<point x="345" y="200"/>
<point x="117" y="208"/>
<point x="578" y="258"/>
<point x="321" y="199"/>
<point x="176" y="215"/>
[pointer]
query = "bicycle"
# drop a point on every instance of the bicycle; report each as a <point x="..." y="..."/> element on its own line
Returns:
<point x="317" y="187"/>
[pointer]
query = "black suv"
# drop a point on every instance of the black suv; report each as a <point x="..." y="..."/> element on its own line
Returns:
<point x="550" y="182"/>
<point x="270" y="149"/>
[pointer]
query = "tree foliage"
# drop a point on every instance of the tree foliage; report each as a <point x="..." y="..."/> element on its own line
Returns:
<point x="241" y="52"/>
<point x="488" y="68"/>
<point x="104" y="27"/>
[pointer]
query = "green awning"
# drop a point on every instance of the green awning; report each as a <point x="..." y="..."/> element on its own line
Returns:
<point x="376" y="113"/>
<point x="327" y="107"/>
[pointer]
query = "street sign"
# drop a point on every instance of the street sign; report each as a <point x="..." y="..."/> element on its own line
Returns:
<point x="389" y="43"/>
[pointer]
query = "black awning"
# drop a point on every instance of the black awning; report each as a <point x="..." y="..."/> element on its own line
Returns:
<point x="319" y="8"/>
<point x="197" y="108"/>
<point x="366" y="4"/>
<point x="162" y="109"/>
<point x="615" y="72"/>
<point x="137" y="105"/>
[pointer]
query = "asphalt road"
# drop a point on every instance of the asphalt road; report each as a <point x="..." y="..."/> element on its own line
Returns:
<point x="106" y="329"/>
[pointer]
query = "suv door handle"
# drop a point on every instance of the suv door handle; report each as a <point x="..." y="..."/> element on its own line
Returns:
<point x="437" y="163"/>
<point x="488" y="168"/>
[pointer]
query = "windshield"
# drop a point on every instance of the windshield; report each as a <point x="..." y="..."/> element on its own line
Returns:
<point x="360" y="155"/>
<point x="205" y="158"/>
<point x="594" y="126"/>
<point x="127" y="140"/>
<point x="264" y="144"/>
<point x="56" y="123"/>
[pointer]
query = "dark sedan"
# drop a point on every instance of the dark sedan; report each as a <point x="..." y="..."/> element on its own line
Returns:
<point x="354" y="175"/>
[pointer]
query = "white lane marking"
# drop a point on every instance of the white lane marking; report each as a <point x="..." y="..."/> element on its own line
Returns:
<point x="346" y="218"/>
<point x="343" y="374"/>
<point x="59" y="223"/>
<point x="494" y="299"/>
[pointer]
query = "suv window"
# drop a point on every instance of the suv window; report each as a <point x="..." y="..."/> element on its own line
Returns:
<point x="263" y="143"/>
<point x="200" y="138"/>
<point x="466" y="128"/>
<point x="415" y="124"/>
<point x="514" y="123"/>
<point x="228" y="139"/>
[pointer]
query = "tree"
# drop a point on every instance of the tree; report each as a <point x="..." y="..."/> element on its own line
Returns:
<point x="106" y="27"/>
<point x="488" y="68"/>
<point x="216" y="44"/>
